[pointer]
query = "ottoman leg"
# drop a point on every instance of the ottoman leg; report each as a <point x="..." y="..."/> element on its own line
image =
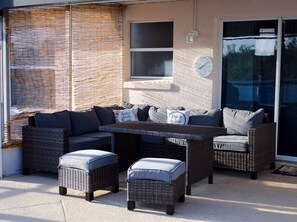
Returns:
<point x="170" y="209"/>
<point x="62" y="190"/>
<point x="210" y="180"/>
<point x="130" y="205"/>
<point x="90" y="196"/>
<point x="115" y="188"/>
<point x="181" y="198"/>
<point x="254" y="175"/>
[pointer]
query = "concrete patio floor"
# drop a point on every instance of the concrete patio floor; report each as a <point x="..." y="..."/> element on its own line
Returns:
<point x="232" y="197"/>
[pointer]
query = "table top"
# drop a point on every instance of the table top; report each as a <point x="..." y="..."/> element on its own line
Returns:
<point x="192" y="132"/>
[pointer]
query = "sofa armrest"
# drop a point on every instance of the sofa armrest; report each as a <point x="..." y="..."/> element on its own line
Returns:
<point x="262" y="141"/>
<point x="48" y="136"/>
<point x="42" y="147"/>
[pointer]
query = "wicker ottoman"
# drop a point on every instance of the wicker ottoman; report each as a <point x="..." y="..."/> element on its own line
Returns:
<point x="88" y="171"/>
<point x="156" y="181"/>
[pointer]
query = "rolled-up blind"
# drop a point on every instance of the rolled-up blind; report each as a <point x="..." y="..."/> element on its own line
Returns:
<point x="97" y="41"/>
<point x="62" y="58"/>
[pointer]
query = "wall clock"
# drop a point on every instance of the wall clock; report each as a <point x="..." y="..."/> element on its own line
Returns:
<point x="202" y="66"/>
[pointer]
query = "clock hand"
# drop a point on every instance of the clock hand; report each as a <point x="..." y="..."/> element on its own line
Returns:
<point x="203" y="65"/>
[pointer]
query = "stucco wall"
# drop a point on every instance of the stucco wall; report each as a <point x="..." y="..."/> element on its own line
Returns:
<point x="186" y="89"/>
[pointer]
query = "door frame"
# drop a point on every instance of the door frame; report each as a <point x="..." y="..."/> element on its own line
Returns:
<point x="277" y="72"/>
<point x="2" y="69"/>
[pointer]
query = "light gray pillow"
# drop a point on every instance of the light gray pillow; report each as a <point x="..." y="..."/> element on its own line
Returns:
<point x="159" y="115"/>
<point x="239" y="121"/>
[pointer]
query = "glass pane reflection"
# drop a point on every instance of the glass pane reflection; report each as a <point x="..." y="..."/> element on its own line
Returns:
<point x="249" y="62"/>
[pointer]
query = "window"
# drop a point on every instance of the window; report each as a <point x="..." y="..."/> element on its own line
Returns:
<point x="151" y="49"/>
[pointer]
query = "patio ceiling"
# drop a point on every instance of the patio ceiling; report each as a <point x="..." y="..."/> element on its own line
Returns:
<point x="25" y="3"/>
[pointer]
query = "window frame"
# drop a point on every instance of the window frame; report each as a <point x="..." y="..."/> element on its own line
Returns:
<point x="168" y="49"/>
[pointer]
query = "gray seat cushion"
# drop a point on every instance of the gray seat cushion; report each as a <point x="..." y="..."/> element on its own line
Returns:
<point x="176" y="141"/>
<point x="82" y="143"/>
<point x="206" y="117"/>
<point x="152" y="139"/>
<point x="231" y="143"/>
<point x="239" y="121"/>
<point x="54" y="120"/>
<point x="84" y="122"/>
<point x="88" y="159"/>
<point x="160" y="169"/>
<point x="105" y="137"/>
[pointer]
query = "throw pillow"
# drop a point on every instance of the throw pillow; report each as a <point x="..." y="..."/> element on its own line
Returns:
<point x="159" y="115"/>
<point x="206" y="117"/>
<point x="125" y="115"/>
<point x="54" y="120"/>
<point x="142" y="109"/>
<point x="178" y="116"/>
<point x="239" y="121"/>
<point x="84" y="122"/>
<point x="105" y="114"/>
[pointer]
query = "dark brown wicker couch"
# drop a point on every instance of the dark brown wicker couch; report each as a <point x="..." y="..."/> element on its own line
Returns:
<point x="261" y="140"/>
<point x="261" y="153"/>
<point x="42" y="147"/>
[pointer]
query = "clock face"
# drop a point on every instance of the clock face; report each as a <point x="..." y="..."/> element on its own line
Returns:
<point x="202" y="66"/>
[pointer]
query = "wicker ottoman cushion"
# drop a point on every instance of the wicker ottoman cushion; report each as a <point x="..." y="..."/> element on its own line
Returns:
<point x="160" y="169"/>
<point x="88" y="159"/>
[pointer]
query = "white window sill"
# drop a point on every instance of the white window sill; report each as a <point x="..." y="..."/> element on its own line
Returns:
<point x="149" y="84"/>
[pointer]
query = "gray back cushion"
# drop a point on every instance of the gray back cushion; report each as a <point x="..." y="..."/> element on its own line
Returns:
<point x="206" y="117"/>
<point x="239" y="121"/>
<point x="159" y="115"/>
<point x="54" y="120"/>
<point x="84" y="122"/>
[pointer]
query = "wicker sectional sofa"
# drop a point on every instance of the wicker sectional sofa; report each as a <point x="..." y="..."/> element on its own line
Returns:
<point x="248" y="146"/>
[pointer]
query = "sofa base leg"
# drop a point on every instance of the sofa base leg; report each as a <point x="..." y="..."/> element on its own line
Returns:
<point x="115" y="188"/>
<point x="182" y="198"/>
<point x="254" y="175"/>
<point x="62" y="190"/>
<point x="130" y="205"/>
<point x="26" y="171"/>
<point x="170" y="209"/>
<point x="90" y="196"/>
<point x="272" y="166"/>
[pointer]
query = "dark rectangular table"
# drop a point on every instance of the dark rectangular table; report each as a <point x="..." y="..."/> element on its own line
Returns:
<point x="126" y="142"/>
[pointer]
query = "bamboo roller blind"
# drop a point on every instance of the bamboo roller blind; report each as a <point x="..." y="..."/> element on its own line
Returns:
<point x="97" y="55"/>
<point x="62" y="58"/>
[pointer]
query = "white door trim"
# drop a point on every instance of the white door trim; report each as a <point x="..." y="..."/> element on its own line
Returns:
<point x="1" y="98"/>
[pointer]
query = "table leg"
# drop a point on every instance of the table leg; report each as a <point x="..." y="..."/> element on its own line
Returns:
<point x="199" y="161"/>
<point x="127" y="148"/>
<point x="188" y="190"/>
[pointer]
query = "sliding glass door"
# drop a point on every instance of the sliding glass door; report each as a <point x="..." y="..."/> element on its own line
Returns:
<point x="249" y="74"/>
